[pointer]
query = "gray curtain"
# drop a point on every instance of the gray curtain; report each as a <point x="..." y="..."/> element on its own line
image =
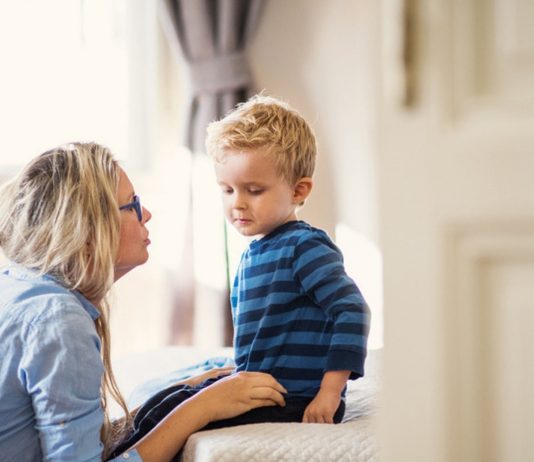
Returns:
<point x="213" y="36"/>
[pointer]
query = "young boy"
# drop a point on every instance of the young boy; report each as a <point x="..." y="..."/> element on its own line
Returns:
<point x="297" y="315"/>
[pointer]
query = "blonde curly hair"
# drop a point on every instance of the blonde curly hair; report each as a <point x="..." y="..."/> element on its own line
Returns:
<point x="271" y="125"/>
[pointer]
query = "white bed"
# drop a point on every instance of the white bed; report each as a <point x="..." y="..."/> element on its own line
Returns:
<point x="353" y="440"/>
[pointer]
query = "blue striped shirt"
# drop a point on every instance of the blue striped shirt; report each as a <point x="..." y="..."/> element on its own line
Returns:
<point x="296" y="312"/>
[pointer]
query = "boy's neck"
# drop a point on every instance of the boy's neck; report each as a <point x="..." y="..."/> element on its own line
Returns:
<point x="258" y="237"/>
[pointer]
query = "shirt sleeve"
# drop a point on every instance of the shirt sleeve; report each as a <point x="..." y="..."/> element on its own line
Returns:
<point x="62" y="371"/>
<point x="318" y="265"/>
<point x="131" y="455"/>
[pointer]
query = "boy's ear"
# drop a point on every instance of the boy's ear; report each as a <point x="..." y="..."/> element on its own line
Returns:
<point x="302" y="190"/>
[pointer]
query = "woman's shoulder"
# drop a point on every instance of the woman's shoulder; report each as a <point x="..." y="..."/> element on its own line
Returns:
<point x="33" y="299"/>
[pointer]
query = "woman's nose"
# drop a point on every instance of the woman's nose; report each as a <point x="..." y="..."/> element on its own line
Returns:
<point x="146" y="215"/>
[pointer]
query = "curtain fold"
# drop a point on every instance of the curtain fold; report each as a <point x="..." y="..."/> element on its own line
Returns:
<point x="213" y="36"/>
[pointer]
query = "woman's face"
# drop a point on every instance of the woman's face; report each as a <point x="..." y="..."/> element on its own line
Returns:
<point x="133" y="235"/>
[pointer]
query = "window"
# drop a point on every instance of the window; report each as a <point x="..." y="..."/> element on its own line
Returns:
<point x="64" y="76"/>
<point x="98" y="70"/>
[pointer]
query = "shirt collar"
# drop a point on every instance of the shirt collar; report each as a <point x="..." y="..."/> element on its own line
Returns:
<point x="275" y="232"/>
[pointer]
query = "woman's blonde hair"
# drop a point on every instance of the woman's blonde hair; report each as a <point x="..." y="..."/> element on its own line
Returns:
<point x="266" y="123"/>
<point x="60" y="216"/>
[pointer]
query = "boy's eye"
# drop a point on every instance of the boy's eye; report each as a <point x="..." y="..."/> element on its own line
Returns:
<point x="227" y="190"/>
<point x="255" y="191"/>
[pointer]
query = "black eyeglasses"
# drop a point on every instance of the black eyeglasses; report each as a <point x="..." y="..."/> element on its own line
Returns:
<point x="135" y="205"/>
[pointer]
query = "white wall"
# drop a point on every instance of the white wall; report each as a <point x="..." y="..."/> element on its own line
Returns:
<point x="320" y="56"/>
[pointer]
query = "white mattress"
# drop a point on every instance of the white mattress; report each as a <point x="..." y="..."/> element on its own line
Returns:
<point x="353" y="440"/>
<point x="278" y="442"/>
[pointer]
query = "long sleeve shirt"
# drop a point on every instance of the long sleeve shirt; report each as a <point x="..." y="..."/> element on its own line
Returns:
<point x="296" y="312"/>
<point x="50" y="372"/>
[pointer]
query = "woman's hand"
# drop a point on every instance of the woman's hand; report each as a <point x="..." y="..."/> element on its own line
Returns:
<point x="239" y="393"/>
<point x="211" y="374"/>
<point x="224" y="399"/>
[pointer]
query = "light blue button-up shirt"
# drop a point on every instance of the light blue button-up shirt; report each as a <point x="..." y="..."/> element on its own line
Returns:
<point x="50" y="372"/>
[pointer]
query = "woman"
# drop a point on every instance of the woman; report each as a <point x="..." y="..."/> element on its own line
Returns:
<point x="71" y="225"/>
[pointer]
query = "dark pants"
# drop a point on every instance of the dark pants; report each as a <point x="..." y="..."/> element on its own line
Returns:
<point x="155" y="409"/>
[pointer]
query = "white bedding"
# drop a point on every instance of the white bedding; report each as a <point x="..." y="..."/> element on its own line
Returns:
<point x="278" y="442"/>
<point x="353" y="440"/>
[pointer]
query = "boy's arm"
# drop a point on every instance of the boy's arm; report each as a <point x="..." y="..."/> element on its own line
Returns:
<point x="318" y="266"/>
<point x="325" y="404"/>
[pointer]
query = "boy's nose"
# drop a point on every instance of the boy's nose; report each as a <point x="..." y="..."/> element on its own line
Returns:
<point x="239" y="202"/>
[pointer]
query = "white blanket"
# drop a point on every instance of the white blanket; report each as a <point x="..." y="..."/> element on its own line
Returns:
<point x="280" y="442"/>
<point x="353" y="440"/>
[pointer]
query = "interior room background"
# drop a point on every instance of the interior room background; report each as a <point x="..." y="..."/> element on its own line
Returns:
<point x="107" y="71"/>
<point x="434" y="98"/>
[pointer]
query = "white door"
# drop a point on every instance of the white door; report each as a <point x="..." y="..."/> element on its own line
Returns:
<point x="456" y="137"/>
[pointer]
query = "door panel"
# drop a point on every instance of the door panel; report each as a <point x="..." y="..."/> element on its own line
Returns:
<point x="457" y="228"/>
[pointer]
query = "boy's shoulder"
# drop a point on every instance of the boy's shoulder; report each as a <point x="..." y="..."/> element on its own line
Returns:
<point x="307" y="231"/>
<point x="293" y="234"/>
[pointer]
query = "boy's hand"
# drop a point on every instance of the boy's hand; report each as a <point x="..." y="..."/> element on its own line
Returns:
<point x="325" y="404"/>
<point x="322" y="408"/>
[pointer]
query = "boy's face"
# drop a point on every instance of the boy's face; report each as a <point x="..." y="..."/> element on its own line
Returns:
<point x="256" y="198"/>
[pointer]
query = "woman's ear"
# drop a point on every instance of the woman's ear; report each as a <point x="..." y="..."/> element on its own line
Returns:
<point x="302" y="190"/>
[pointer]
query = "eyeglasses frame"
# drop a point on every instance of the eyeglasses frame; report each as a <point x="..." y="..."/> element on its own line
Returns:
<point x="136" y="205"/>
